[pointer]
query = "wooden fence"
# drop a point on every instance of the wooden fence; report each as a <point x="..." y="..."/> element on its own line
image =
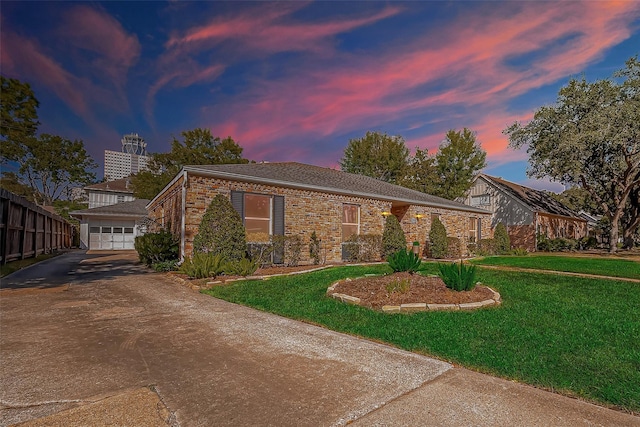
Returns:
<point x="27" y="230"/>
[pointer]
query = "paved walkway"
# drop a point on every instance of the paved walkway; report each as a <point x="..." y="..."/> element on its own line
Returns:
<point x="117" y="345"/>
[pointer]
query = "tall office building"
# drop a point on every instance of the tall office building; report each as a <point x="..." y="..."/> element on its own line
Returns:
<point x="132" y="159"/>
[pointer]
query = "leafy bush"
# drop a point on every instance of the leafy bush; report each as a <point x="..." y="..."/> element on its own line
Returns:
<point x="519" y="252"/>
<point x="486" y="247"/>
<point x="560" y="244"/>
<point x="156" y="247"/>
<point x="261" y="253"/>
<point x="290" y="246"/>
<point x="458" y="276"/>
<point x="242" y="267"/>
<point x="393" y="238"/>
<point x="438" y="239"/>
<point x="543" y="243"/>
<point x="164" y="266"/>
<point x="454" y="249"/>
<point x="203" y="265"/>
<point x="588" y="242"/>
<point x="404" y="260"/>
<point x="221" y="230"/>
<point x="397" y="285"/>
<point x="363" y="248"/>
<point x="501" y="239"/>
<point x="314" y="248"/>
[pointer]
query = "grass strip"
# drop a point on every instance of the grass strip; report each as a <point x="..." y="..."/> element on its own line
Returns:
<point x="614" y="267"/>
<point x="578" y="336"/>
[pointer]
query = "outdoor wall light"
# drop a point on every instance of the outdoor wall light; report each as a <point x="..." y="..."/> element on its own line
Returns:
<point x="418" y="216"/>
<point x="385" y="213"/>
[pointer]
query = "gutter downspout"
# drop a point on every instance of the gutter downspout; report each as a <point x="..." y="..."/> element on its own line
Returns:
<point x="183" y="220"/>
<point x="535" y="232"/>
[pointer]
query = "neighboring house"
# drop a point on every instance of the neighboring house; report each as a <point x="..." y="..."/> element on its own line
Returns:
<point x="112" y="227"/>
<point x="109" y="193"/>
<point x="524" y="211"/>
<point x="298" y="199"/>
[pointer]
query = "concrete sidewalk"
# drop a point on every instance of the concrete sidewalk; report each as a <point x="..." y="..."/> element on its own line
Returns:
<point x="122" y="346"/>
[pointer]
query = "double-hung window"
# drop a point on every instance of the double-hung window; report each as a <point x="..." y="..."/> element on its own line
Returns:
<point x="473" y="232"/>
<point x="350" y="221"/>
<point x="258" y="217"/>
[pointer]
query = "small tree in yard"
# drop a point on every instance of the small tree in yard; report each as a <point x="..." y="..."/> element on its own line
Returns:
<point x="438" y="239"/>
<point x="393" y="238"/>
<point x="221" y="231"/>
<point x="501" y="239"/>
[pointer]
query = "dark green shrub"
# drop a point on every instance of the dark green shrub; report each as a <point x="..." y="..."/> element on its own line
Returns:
<point x="458" y="276"/>
<point x="438" y="239"/>
<point x="164" y="266"/>
<point x="404" y="260"/>
<point x="501" y="239"/>
<point x="588" y="242"/>
<point x="454" y="249"/>
<point x="543" y="243"/>
<point x="314" y="248"/>
<point x="221" y="231"/>
<point x="203" y="265"/>
<point x="157" y="247"/>
<point x="363" y="248"/>
<point x="392" y="237"/>
<point x="561" y="244"/>
<point x="240" y="267"/>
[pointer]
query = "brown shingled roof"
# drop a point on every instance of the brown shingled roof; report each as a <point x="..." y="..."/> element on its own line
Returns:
<point x="299" y="175"/>
<point x="122" y="185"/>
<point x="134" y="208"/>
<point x="536" y="200"/>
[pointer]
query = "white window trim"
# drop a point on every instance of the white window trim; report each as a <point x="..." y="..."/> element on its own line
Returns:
<point x="259" y="218"/>
<point x="357" y="224"/>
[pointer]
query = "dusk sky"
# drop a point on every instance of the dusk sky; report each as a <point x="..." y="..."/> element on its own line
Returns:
<point x="294" y="81"/>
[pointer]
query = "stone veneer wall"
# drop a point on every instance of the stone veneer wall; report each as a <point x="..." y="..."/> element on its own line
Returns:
<point x="166" y="211"/>
<point x="307" y="211"/>
<point x="554" y="226"/>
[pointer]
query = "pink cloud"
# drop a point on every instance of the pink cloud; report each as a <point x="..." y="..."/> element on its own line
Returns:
<point x="371" y="93"/>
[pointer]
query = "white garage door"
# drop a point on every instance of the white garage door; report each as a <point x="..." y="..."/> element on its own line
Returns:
<point x="111" y="235"/>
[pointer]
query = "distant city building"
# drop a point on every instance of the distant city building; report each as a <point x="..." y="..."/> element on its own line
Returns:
<point x="132" y="159"/>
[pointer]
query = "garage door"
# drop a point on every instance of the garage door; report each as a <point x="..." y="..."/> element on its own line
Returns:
<point x="112" y="235"/>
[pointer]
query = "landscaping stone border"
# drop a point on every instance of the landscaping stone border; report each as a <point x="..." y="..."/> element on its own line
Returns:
<point x="418" y="306"/>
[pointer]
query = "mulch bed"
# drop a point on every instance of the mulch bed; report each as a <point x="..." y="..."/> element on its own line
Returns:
<point x="373" y="292"/>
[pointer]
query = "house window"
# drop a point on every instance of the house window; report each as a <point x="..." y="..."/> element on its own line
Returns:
<point x="350" y="221"/>
<point x="257" y="217"/>
<point x="481" y="200"/>
<point x="120" y="198"/>
<point x="473" y="232"/>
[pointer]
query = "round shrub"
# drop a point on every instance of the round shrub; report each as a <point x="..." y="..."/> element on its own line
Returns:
<point x="221" y="231"/>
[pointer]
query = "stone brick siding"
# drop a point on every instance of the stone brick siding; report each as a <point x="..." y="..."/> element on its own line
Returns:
<point x="522" y="236"/>
<point x="554" y="226"/>
<point x="166" y="211"/>
<point x="308" y="211"/>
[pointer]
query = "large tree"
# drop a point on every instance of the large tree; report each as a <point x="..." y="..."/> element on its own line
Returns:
<point x="18" y="118"/>
<point x="591" y="138"/>
<point x="377" y="155"/>
<point x="198" y="147"/>
<point x="450" y="171"/>
<point x="49" y="164"/>
<point x="458" y="160"/>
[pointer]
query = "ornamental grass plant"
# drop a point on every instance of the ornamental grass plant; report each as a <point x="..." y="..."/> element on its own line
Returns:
<point x="458" y="276"/>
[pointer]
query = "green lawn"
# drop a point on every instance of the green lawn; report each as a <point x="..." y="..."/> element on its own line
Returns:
<point x="615" y="267"/>
<point x="574" y="335"/>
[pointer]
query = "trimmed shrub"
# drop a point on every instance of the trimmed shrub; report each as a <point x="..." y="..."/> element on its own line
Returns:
<point x="438" y="239"/>
<point x="240" y="267"/>
<point x="458" y="276"/>
<point x="543" y="243"/>
<point x="221" y="231"/>
<point x="454" y="249"/>
<point x="164" y="266"/>
<point x="392" y="237"/>
<point x="501" y="239"/>
<point x="314" y="248"/>
<point x="363" y="248"/>
<point x="157" y="247"/>
<point x="404" y="260"/>
<point x="588" y="242"/>
<point x="203" y="265"/>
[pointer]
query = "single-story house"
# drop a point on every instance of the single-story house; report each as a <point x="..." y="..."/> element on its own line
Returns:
<point x="298" y="199"/>
<point x="525" y="211"/>
<point x="109" y="193"/>
<point x="112" y="227"/>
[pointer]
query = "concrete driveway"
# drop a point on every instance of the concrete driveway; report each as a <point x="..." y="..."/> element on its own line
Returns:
<point x="106" y="342"/>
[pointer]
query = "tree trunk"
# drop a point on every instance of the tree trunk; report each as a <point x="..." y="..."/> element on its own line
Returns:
<point x="613" y="237"/>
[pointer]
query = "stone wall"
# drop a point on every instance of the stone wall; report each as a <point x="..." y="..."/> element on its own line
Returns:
<point x="166" y="211"/>
<point x="308" y="211"/>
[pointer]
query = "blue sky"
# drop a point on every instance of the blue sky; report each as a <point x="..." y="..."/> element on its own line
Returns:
<point x="294" y="81"/>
